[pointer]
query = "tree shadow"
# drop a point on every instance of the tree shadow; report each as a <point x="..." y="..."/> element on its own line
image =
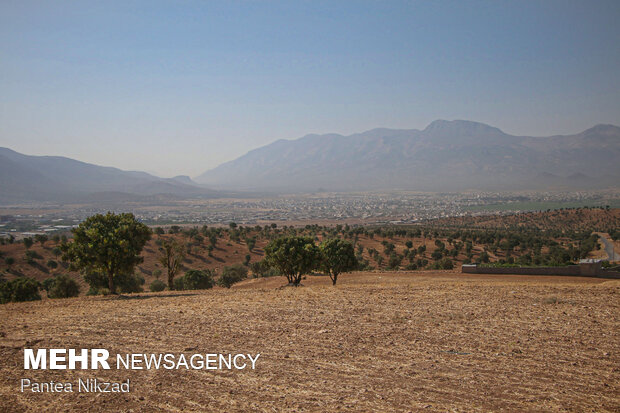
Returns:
<point x="144" y="297"/>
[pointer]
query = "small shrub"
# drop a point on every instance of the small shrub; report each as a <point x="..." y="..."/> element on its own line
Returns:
<point x="131" y="284"/>
<point x="231" y="275"/>
<point x="263" y="269"/>
<point x="157" y="286"/>
<point x="178" y="284"/>
<point x="48" y="283"/>
<point x="198" y="280"/>
<point x="19" y="289"/>
<point x="64" y="287"/>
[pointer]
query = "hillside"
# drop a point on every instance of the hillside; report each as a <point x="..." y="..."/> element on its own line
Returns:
<point x="54" y="178"/>
<point x="527" y="239"/>
<point x="446" y="156"/>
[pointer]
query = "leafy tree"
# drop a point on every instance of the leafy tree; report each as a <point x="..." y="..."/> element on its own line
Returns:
<point x="409" y="244"/>
<point x="293" y="257"/>
<point x="437" y="254"/>
<point x="337" y="257"/>
<point x="394" y="261"/>
<point x="231" y="275"/>
<point x="31" y="256"/>
<point x="251" y="243"/>
<point x="107" y="244"/>
<point x="9" y="261"/>
<point x="28" y="242"/>
<point x="57" y="252"/>
<point x="213" y="240"/>
<point x="52" y="264"/>
<point x="198" y="280"/>
<point x="159" y="231"/>
<point x="171" y="258"/>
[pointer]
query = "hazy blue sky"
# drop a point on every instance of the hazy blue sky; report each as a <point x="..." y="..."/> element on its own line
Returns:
<point x="178" y="87"/>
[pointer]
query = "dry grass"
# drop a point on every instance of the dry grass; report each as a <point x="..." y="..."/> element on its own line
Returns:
<point x="376" y="342"/>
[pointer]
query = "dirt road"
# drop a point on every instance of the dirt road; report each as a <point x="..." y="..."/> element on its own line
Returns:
<point x="609" y="248"/>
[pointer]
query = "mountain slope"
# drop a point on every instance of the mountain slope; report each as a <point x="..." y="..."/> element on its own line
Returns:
<point x="44" y="178"/>
<point x="447" y="155"/>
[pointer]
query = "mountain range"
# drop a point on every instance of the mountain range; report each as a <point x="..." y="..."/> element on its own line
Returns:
<point x="59" y="179"/>
<point x="445" y="156"/>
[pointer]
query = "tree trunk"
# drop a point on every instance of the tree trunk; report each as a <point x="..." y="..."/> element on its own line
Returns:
<point x="111" y="285"/>
<point x="170" y="281"/>
<point x="334" y="279"/>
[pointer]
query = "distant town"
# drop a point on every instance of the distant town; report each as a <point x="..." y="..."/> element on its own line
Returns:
<point x="19" y="221"/>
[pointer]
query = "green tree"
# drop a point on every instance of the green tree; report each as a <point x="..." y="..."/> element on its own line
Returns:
<point x="171" y="258"/>
<point x="57" y="252"/>
<point x="293" y="257"/>
<point x="28" y="242"/>
<point x="337" y="256"/>
<point x="251" y="243"/>
<point x="107" y="244"/>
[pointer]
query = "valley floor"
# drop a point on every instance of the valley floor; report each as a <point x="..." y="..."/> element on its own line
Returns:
<point x="431" y="341"/>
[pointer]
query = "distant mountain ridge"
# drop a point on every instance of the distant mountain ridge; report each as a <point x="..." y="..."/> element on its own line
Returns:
<point x="55" y="178"/>
<point x="445" y="156"/>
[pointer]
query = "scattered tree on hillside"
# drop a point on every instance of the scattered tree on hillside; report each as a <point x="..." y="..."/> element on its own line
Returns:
<point x="41" y="239"/>
<point x="171" y="258"/>
<point x="293" y="257"/>
<point x="337" y="257"/>
<point x="107" y="244"/>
